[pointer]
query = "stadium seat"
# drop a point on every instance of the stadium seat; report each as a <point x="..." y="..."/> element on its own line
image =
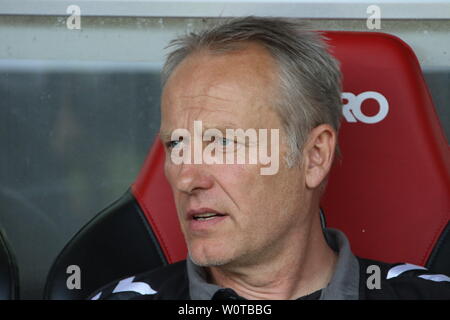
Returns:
<point x="389" y="192"/>
<point x="9" y="275"/>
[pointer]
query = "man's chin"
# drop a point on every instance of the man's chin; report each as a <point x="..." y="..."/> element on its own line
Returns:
<point x="205" y="256"/>
<point x="208" y="262"/>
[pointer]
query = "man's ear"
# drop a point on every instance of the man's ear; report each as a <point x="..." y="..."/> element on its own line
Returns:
<point x="318" y="154"/>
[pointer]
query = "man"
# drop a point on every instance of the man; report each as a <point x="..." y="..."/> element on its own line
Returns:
<point x="252" y="235"/>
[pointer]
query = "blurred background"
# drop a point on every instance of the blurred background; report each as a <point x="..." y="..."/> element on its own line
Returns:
<point x="79" y="108"/>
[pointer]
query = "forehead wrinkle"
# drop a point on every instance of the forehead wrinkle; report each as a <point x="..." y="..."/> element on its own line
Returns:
<point x="194" y="110"/>
<point x="213" y="85"/>
<point x="207" y="96"/>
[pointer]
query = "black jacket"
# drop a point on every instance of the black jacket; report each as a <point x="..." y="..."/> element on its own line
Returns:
<point x="171" y="283"/>
<point x="353" y="279"/>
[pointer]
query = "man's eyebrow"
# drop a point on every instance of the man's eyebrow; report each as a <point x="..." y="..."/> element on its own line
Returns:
<point x="167" y="135"/>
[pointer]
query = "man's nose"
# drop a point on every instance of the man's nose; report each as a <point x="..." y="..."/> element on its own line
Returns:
<point x="192" y="178"/>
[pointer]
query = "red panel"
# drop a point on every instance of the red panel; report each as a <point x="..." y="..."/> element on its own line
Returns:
<point x="390" y="193"/>
<point x="154" y="194"/>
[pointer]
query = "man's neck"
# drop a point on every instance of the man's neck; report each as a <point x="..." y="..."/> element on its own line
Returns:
<point x="296" y="271"/>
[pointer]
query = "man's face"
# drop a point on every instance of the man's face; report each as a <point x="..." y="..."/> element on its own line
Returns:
<point x="256" y="214"/>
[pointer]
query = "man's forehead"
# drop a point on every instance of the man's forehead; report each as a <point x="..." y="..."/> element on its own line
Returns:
<point x="210" y="93"/>
<point x="221" y="94"/>
<point x="248" y="66"/>
<point x="207" y="100"/>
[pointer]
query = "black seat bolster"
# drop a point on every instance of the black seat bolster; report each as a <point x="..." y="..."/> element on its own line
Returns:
<point x="116" y="243"/>
<point x="439" y="260"/>
<point x="9" y="273"/>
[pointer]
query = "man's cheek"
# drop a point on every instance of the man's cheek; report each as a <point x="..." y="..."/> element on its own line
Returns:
<point x="169" y="174"/>
<point x="239" y="175"/>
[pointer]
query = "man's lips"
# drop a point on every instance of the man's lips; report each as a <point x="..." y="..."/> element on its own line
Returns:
<point x="203" y="219"/>
<point x="203" y="214"/>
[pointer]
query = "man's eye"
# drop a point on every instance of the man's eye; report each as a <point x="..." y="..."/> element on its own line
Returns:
<point x="224" y="141"/>
<point x="171" y="144"/>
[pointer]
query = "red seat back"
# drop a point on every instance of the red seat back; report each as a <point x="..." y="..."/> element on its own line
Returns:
<point x="390" y="192"/>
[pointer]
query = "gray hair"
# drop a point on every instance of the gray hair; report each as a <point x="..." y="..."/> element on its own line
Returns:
<point x="310" y="80"/>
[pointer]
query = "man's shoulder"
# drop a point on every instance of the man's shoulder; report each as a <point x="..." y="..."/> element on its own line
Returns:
<point x="167" y="282"/>
<point x="386" y="281"/>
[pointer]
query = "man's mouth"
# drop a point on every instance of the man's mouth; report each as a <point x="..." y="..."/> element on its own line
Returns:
<point x="203" y="214"/>
<point x="206" y="216"/>
<point x="203" y="219"/>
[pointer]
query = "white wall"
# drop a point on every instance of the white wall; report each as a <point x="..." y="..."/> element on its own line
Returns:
<point x="143" y="39"/>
